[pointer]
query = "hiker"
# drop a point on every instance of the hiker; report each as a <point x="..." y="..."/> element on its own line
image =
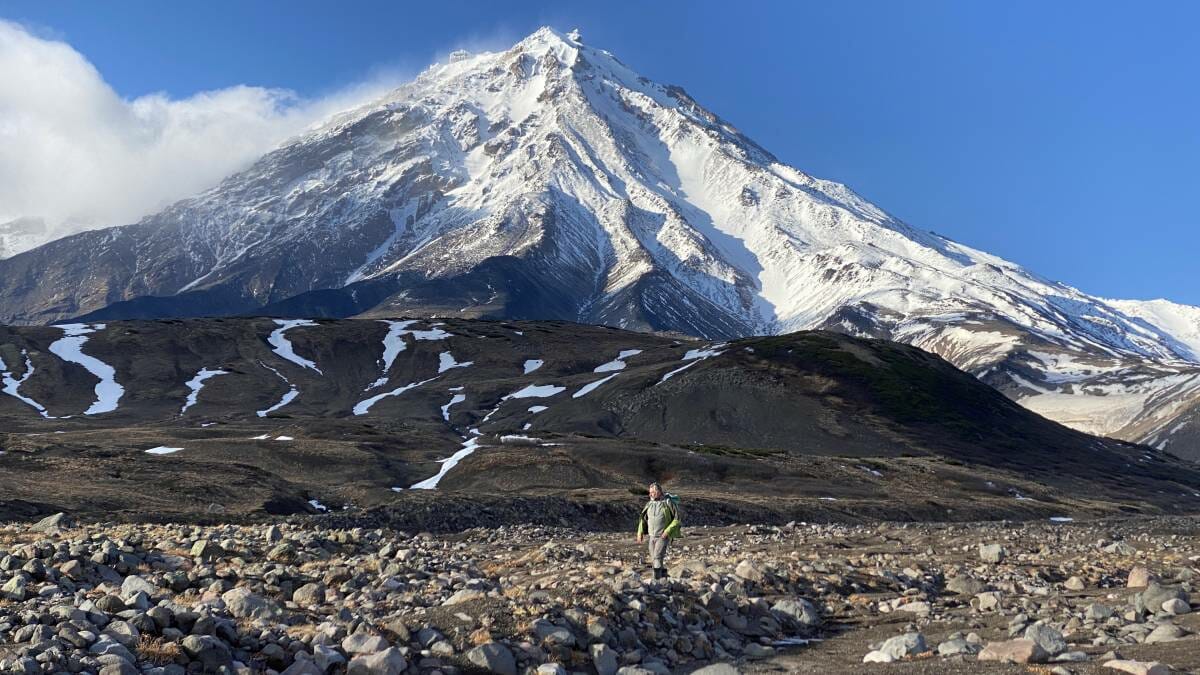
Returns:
<point x="660" y="522"/>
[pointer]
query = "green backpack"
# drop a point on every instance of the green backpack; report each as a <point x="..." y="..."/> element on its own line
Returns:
<point x="674" y="499"/>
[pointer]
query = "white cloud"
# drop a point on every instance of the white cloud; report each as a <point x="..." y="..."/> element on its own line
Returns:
<point x="78" y="155"/>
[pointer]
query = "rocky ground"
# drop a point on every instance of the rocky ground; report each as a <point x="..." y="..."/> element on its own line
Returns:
<point x="300" y="596"/>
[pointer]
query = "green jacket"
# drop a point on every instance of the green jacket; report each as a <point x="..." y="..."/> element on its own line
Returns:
<point x="672" y="528"/>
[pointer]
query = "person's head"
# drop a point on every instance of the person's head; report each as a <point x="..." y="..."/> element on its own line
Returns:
<point x="656" y="491"/>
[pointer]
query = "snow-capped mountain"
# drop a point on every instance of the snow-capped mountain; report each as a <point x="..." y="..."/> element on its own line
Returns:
<point x="551" y="181"/>
<point x="21" y="235"/>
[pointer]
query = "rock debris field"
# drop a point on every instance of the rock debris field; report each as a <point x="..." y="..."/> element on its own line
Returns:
<point x="298" y="597"/>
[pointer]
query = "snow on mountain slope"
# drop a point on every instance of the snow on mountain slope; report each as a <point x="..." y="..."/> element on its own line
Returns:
<point x="1180" y="321"/>
<point x="552" y="181"/>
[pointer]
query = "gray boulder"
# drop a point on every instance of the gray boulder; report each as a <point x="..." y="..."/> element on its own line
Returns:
<point x="244" y="604"/>
<point x="210" y="652"/>
<point x="1050" y="640"/>
<point x="991" y="553"/>
<point x="387" y="662"/>
<point x="496" y="658"/>
<point x="799" y="611"/>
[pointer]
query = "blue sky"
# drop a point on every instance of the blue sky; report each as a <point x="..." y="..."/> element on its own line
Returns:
<point x="1064" y="136"/>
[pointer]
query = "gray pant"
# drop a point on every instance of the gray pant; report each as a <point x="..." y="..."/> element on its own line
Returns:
<point x="658" y="551"/>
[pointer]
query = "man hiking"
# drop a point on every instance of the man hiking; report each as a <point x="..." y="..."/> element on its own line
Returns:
<point x="660" y="522"/>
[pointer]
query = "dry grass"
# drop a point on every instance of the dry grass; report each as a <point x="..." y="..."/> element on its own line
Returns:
<point x="481" y="636"/>
<point x="158" y="651"/>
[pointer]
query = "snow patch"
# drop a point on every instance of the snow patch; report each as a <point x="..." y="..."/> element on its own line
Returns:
<point x="12" y="386"/>
<point x="162" y="450"/>
<point x="69" y="348"/>
<point x="617" y="363"/>
<point x="196" y="384"/>
<point x="283" y="347"/>
<point x="446" y="362"/>
<point x="675" y="372"/>
<point x="450" y="462"/>
<point x="287" y="398"/>
<point x="537" y="391"/>
<point x="518" y="439"/>
<point x="533" y="364"/>
<point x="707" y="352"/>
<point x="454" y="400"/>
<point x="589" y="388"/>
<point x="362" y="407"/>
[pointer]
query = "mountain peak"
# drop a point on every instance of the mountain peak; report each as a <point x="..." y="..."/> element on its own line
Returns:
<point x="547" y="38"/>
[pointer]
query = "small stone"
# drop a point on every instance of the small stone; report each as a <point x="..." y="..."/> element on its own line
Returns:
<point x="364" y="643"/>
<point x="878" y="657"/>
<point x="755" y="650"/>
<point x="134" y="584"/>
<point x="14" y="589"/>
<point x="1138" y="667"/>
<point x="718" y="669"/>
<point x="989" y="601"/>
<point x="1050" y="640"/>
<point x="206" y="550"/>
<point x="903" y="645"/>
<point x="326" y="657"/>
<point x="1139" y="577"/>
<point x="387" y="662"/>
<point x="965" y="585"/>
<point x="991" y="553"/>
<point x="918" y="608"/>
<point x="604" y="659"/>
<point x="1176" y="606"/>
<point x="747" y="570"/>
<point x="54" y="523"/>
<point x="208" y="650"/>
<point x="1021" y="650"/>
<point x="244" y="604"/>
<point x="1074" y="584"/>
<point x="303" y="667"/>
<point x="465" y="595"/>
<point x="1167" y="632"/>
<point x="958" y="646"/>
<point x="309" y="595"/>
<point x="496" y="658"/>
<point x="800" y="612"/>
